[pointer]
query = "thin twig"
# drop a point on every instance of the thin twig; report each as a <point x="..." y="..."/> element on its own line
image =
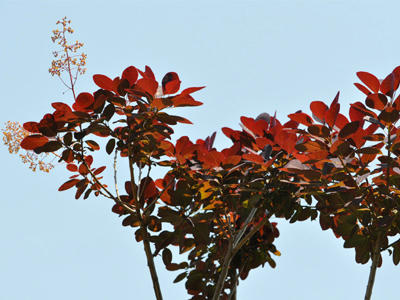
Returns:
<point x="249" y="235"/>
<point x="224" y="271"/>
<point x="243" y="229"/>
<point x="390" y="245"/>
<point x="115" y="175"/>
<point x="111" y="196"/>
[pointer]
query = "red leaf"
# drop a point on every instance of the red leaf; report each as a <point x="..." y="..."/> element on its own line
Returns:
<point x="301" y="118"/>
<point x="67" y="185"/>
<point x="170" y="83"/>
<point x="72" y="167"/>
<point x="211" y="159"/>
<point x="32" y="142"/>
<point x="191" y="90"/>
<point x="232" y="160"/>
<point x="61" y="106"/>
<point x="341" y="121"/>
<point x="332" y="114"/>
<point x="84" y="100"/>
<point x="116" y="81"/>
<point x="356" y="114"/>
<point x="376" y="101"/>
<point x="89" y="160"/>
<point x="83" y="170"/>
<point x="371" y="129"/>
<point x="396" y="73"/>
<point x="93" y="145"/>
<point x="183" y="120"/>
<point x="254" y="158"/>
<point x="335" y="100"/>
<point x="103" y="82"/>
<point x="159" y="183"/>
<point x="318" y="109"/>
<point x="99" y="170"/>
<point x="256" y="127"/>
<point x="185" y="100"/>
<point x="369" y="80"/>
<point x="31" y="127"/>
<point x="149" y="73"/>
<point x="362" y="88"/>
<point x="150" y="188"/>
<point x="387" y="85"/>
<point x="147" y="85"/>
<point x="131" y="74"/>
<point x="396" y="103"/>
<point x="230" y="133"/>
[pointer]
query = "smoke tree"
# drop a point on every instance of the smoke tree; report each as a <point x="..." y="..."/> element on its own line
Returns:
<point x="216" y="206"/>
<point x="350" y="166"/>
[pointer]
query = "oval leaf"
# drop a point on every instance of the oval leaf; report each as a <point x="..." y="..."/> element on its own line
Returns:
<point x="130" y="74"/>
<point x="110" y="146"/>
<point x="93" y="145"/>
<point x="167" y="256"/>
<point x="67" y="185"/>
<point x="170" y="83"/>
<point x="301" y="118"/>
<point x="349" y="129"/>
<point x="318" y="108"/>
<point x="376" y="101"/>
<point x="32" y="142"/>
<point x="84" y="100"/>
<point x="31" y="127"/>
<point x="103" y="82"/>
<point x="369" y="80"/>
<point x="362" y="88"/>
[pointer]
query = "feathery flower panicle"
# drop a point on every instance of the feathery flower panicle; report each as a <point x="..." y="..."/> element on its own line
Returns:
<point x="67" y="59"/>
<point x="13" y="134"/>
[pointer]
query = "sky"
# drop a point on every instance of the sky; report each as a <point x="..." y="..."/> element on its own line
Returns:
<point x="253" y="57"/>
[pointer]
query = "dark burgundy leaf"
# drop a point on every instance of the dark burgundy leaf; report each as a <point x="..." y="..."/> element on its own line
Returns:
<point x="110" y="146"/>
<point x="349" y="129"/>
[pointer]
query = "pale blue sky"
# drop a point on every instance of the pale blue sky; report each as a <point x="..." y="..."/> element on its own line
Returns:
<point x="253" y="56"/>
